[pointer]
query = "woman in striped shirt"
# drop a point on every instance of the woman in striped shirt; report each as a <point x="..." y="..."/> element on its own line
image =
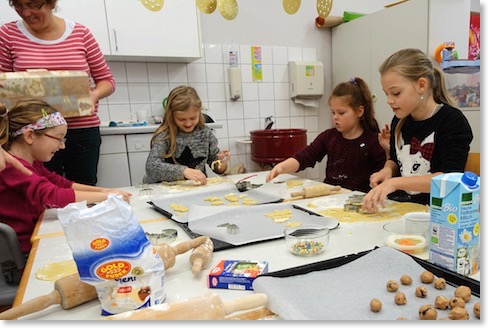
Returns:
<point x="41" y="40"/>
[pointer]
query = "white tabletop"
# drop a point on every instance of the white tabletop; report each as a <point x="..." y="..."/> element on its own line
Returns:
<point x="180" y="283"/>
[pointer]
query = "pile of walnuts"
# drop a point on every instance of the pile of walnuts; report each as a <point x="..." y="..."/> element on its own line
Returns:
<point x="462" y="295"/>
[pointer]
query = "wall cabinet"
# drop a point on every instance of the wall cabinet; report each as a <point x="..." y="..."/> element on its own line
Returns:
<point x="361" y="45"/>
<point x="126" y="30"/>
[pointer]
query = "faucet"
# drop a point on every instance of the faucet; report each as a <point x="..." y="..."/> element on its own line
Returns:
<point x="269" y="122"/>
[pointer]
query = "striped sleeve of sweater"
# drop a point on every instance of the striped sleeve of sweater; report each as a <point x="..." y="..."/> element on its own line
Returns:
<point x="77" y="51"/>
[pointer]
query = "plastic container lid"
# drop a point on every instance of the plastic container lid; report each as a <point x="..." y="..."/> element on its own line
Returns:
<point x="469" y="179"/>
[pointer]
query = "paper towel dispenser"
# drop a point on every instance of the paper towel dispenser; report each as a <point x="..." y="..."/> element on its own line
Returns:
<point x="306" y="79"/>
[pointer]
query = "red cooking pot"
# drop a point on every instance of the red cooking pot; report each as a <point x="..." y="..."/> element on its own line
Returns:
<point x="276" y="145"/>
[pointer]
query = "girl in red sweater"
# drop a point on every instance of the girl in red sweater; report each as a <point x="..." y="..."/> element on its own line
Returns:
<point x="32" y="132"/>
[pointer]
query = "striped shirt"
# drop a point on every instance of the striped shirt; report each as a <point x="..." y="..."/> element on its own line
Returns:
<point x="76" y="49"/>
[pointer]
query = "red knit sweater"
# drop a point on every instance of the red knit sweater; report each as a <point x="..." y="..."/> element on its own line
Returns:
<point x="23" y="198"/>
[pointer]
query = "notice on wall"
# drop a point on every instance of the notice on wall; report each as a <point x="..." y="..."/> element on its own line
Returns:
<point x="257" y="66"/>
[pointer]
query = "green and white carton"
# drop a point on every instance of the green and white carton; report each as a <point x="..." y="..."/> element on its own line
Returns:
<point x="455" y="222"/>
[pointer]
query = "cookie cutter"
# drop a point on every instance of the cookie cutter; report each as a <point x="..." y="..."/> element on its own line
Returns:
<point x="166" y="236"/>
<point x="231" y="228"/>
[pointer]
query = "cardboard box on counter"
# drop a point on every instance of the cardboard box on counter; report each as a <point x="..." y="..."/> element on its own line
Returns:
<point x="235" y="274"/>
<point x="67" y="91"/>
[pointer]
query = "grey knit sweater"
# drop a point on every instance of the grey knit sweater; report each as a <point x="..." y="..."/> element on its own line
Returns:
<point x="193" y="150"/>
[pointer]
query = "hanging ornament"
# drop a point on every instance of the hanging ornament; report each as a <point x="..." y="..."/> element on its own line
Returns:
<point x="153" y="5"/>
<point x="207" y="6"/>
<point x="291" y="6"/>
<point x="228" y="8"/>
<point x="324" y="7"/>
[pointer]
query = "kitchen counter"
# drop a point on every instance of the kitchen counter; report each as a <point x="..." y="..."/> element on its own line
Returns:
<point x="109" y="130"/>
<point x="50" y="245"/>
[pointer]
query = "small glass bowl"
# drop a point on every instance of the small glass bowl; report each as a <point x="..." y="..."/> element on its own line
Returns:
<point x="406" y="238"/>
<point x="308" y="240"/>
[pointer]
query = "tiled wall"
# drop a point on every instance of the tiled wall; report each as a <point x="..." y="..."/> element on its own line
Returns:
<point x="143" y="86"/>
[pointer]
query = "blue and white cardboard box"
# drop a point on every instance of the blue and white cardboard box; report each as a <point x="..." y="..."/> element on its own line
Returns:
<point x="455" y="222"/>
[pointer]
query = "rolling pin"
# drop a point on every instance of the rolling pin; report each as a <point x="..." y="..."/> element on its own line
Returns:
<point x="168" y="253"/>
<point x="201" y="255"/>
<point x="206" y="307"/>
<point x="70" y="291"/>
<point x="315" y="191"/>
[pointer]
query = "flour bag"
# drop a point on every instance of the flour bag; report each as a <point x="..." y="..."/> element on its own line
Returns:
<point x="113" y="254"/>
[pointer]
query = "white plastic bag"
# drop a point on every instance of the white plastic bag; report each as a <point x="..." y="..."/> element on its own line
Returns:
<point x="113" y="254"/>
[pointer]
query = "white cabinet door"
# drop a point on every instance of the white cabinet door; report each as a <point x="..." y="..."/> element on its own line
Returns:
<point x="90" y="13"/>
<point x="138" y="147"/>
<point x="113" y="166"/>
<point x="173" y="31"/>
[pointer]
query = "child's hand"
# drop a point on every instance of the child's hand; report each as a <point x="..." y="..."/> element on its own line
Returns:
<point x="384" y="138"/>
<point x="125" y="195"/>
<point x="277" y="170"/>
<point x="195" y="175"/>
<point x="224" y="156"/>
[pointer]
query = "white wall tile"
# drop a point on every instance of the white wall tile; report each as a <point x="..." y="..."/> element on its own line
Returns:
<point x="177" y="73"/>
<point x="197" y="73"/>
<point x="295" y="54"/>
<point x="216" y="92"/>
<point x="157" y="72"/>
<point x="266" y="91"/>
<point x="280" y="56"/>
<point x="268" y="73"/>
<point x="250" y="91"/>
<point x="311" y="123"/>
<point x="246" y="73"/>
<point x="281" y="91"/>
<point x="118" y="71"/>
<point x="282" y="123"/>
<point x="158" y="91"/>
<point x="213" y="53"/>
<point x="282" y="108"/>
<point x="236" y="128"/>
<point x="139" y="93"/>
<point x="120" y="95"/>
<point x="245" y="54"/>
<point x="201" y="89"/>
<point x="119" y="113"/>
<point x="136" y="72"/>
<point x="267" y="55"/>
<point x="234" y="110"/>
<point x="309" y="54"/>
<point x="103" y="113"/>
<point x="217" y="110"/>
<point x="251" y="109"/>
<point x="215" y="73"/>
<point x="266" y="109"/>
<point x="250" y="125"/>
<point x="280" y="73"/>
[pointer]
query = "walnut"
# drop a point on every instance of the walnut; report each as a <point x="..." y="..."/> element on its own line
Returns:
<point x="476" y="310"/>
<point x="427" y="312"/>
<point x="375" y="305"/>
<point x="463" y="292"/>
<point x="421" y="292"/>
<point x="441" y="302"/>
<point x="406" y="280"/>
<point x="458" y="314"/>
<point x="456" y="302"/>
<point x="427" y="277"/>
<point x="392" y="285"/>
<point x="400" y="298"/>
<point x="440" y="283"/>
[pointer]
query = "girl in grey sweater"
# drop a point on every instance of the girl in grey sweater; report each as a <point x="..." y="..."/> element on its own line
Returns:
<point x="182" y="144"/>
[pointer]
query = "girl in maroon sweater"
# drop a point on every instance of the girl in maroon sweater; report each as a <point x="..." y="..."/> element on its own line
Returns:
<point x="352" y="148"/>
<point x="32" y="132"/>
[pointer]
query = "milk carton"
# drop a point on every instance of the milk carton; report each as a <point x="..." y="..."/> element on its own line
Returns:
<point x="455" y="222"/>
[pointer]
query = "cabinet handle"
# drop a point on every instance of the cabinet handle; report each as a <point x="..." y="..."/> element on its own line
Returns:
<point x="115" y="39"/>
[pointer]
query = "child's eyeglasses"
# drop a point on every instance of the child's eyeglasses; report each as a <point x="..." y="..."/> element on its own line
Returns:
<point x="31" y="6"/>
<point x="61" y="140"/>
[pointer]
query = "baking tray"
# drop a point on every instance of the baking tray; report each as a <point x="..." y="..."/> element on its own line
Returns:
<point x="197" y="197"/>
<point x="341" y="288"/>
<point x="222" y="245"/>
<point x="237" y="225"/>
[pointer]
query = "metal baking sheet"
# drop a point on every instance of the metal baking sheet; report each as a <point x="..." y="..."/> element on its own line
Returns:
<point x="197" y="197"/>
<point x="344" y="292"/>
<point x="252" y="224"/>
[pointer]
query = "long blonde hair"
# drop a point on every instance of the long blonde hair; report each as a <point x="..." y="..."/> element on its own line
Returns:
<point x="414" y="64"/>
<point x="180" y="99"/>
<point x="25" y="112"/>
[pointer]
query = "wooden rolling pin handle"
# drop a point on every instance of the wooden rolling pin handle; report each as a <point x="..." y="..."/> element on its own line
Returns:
<point x="189" y="244"/>
<point x="34" y="305"/>
<point x="253" y="314"/>
<point x="201" y="255"/>
<point x="246" y="303"/>
<point x="298" y="193"/>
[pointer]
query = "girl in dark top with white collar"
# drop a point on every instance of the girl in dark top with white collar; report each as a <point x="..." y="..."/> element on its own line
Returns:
<point x="429" y="136"/>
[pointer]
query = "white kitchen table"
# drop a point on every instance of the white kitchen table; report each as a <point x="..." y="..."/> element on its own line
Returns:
<point x="50" y="245"/>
